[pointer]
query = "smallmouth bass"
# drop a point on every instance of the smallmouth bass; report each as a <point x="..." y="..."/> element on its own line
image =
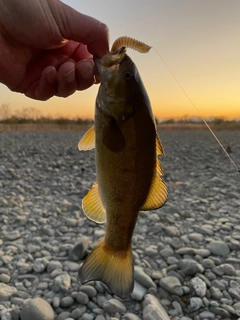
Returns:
<point x="129" y="174"/>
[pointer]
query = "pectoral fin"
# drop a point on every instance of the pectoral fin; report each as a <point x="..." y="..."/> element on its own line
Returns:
<point x="112" y="136"/>
<point x="87" y="142"/>
<point x="93" y="207"/>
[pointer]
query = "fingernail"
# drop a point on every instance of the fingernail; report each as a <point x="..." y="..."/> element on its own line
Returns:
<point x="70" y="75"/>
<point x="86" y="69"/>
<point x="51" y="76"/>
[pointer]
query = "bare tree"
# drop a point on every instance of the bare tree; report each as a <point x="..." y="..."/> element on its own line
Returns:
<point x="5" y="112"/>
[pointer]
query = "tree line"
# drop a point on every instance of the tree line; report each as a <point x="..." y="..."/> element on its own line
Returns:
<point x="33" y="115"/>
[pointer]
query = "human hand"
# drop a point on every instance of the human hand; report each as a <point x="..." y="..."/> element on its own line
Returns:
<point x="46" y="48"/>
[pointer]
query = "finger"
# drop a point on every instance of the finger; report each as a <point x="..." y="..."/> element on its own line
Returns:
<point x="85" y="74"/>
<point x="82" y="28"/>
<point x="47" y="85"/>
<point x="67" y="81"/>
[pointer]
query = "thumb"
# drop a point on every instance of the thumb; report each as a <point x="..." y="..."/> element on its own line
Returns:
<point x="79" y="27"/>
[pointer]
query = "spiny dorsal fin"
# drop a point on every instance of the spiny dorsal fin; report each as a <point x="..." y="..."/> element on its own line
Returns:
<point x="87" y="142"/>
<point x="93" y="207"/>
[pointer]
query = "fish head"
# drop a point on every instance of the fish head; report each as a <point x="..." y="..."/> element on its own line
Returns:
<point x="118" y="92"/>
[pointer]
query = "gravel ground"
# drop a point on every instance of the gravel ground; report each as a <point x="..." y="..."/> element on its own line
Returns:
<point x="187" y="254"/>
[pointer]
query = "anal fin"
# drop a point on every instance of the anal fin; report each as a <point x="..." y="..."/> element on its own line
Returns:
<point x="159" y="146"/>
<point x="92" y="205"/>
<point x="113" y="268"/>
<point x="157" y="195"/>
<point x="87" y="142"/>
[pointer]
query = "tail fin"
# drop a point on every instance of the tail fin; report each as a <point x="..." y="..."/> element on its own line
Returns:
<point x="115" y="269"/>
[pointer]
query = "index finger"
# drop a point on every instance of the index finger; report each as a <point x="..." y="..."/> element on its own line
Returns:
<point x="82" y="28"/>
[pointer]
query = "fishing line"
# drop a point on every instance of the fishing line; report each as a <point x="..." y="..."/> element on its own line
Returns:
<point x="190" y="100"/>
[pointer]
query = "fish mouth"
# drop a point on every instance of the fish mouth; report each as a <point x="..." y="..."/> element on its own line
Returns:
<point x="112" y="58"/>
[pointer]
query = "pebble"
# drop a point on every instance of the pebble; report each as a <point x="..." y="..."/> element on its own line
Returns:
<point x="6" y="291"/>
<point x="190" y="266"/>
<point x="199" y="286"/>
<point x="66" y="302"/>
<point x="139" y="291"/>
<point x="207" y="315"/>
<point x="195" y="303"/>
<point x="62" y="282"/>
<point x="153" y="310"/>
<point x="37" y="309"/>
<point x="144" y="279"/>
<point x="82" y="298"/>
<point x="172" y="285"/>
<point x="218" y="248"/>
<point x="114" y="306"/>
<point x="78" y="312"/>
<point x="89" y="290"/>
<point x="79" y="251"/>
<point x="131" y="316"/>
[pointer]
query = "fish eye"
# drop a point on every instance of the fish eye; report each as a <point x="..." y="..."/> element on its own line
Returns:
<point x="127" y="75"/>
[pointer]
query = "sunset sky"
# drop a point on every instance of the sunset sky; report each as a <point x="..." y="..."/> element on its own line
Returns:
<point x="198" y="39"/>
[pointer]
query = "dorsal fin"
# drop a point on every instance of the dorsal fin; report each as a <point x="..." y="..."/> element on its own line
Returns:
<point x="87" y="142"/>
<point x="92" y="205"/>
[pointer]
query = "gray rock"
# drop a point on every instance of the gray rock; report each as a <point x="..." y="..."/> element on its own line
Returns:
<point x="172" y="231"/>
<point x="219" y="248"/>
<point x="89" y="290"/>
<point x="71" y="266"/>
<point x="172" y="285"/>
<point x="220" y="312"/>
<point x="208" y="263"/>
<point x="218" y="284"/>
<point x="78" y="312"/>
<point x="62" y="282"/>
<point x="190" y="266"/>
<point x="195" y="303"/>
<point x="197" y="237"/>
<point x="62" y="316"/>
<point x="37" y="309"/>
<point x="82" y="298"/>
<point x="167" y="252"/>
<point x="139" y="291"/>
<point x="236" y="307"/>
<point x="113" y="306"/>
<point x="199" y="286"/>
<point x="40" y="264"/>
<point x="5" y="278"/>
<point x="79" y="251"/>
<point x="176" y="305"/>
<point x="6" y="291"/>
<point x="87" y="316"/>
<point x="11" y="235"/>
<point x="54" y="265"/>
<point x="66" y="302"/>
<point x="6" y="315"/>
<point x="153" y="310"/>
<point x="143" y="278"/>
<point x="207" y="315"/>
<point x="131" y="316"/>
<point x="215" y="293"/>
